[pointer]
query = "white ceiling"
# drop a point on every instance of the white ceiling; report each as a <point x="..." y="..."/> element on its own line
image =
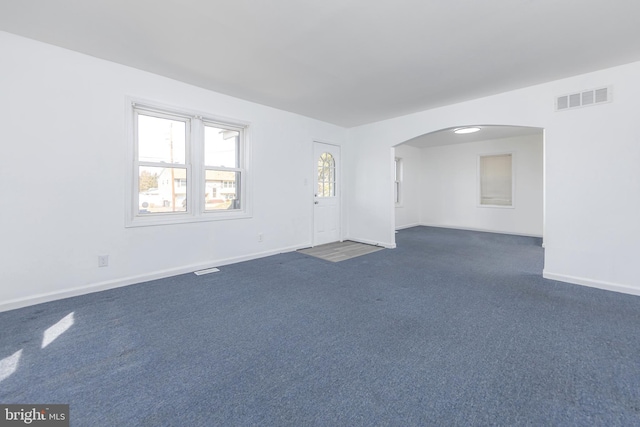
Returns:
<point x="347" y="62"/>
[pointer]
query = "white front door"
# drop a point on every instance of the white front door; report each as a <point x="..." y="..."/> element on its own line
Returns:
<point x="326" y="212"/>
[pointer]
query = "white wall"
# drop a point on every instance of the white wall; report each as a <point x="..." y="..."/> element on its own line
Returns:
<point x="449" y="184"/>
<point x="592" y="178"/>
<point x="64" y="176"/>
<point x="407" y="213"/>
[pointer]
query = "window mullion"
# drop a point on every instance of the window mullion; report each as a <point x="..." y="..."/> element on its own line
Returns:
<point x="196" y="156"/>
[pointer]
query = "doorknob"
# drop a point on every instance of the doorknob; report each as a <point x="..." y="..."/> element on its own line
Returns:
<point x="315" y="203"/>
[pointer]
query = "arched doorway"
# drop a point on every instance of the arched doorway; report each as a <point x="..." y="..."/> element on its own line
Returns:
<point x="440" y="178"/>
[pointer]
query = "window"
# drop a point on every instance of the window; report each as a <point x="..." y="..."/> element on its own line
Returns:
<point x="178" y="155"/>
<point x="161" y="162"/>
<point x="398" y="181"/>
<point x="326" y="176"/>
<point x="496" y="180"/>
<point x="222" y="166"/>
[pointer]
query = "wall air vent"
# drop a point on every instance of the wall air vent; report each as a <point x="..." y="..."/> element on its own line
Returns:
<point x="583" y="98"/>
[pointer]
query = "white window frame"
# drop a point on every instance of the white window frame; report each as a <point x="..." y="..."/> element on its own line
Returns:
<point x="196" y="169"/>
<point x="513" y="180"/>
<point x="398" y="166"/>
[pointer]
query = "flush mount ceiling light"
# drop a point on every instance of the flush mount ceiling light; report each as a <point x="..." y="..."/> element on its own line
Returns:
<point x="466" y="130"/>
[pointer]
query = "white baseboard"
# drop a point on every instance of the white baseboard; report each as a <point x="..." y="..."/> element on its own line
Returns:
<point x="455" y="227"/>
<point x="607" y="286"/>
<point x="131" y="280"/>
<point x="402" y="227"/>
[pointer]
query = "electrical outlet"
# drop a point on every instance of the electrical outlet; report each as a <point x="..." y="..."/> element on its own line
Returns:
<point x="103" y="260"/>
<point x="260" y="237"/>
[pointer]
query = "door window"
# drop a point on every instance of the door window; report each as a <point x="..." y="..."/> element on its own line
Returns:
<point x="326" y="176"/>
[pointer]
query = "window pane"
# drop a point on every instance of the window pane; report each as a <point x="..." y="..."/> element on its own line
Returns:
<point x="161" y="140"/>
<point x="496" y="180"/>
<point x="398" y="170"/>
<point x="162" y="190"/>
<point x="397" y="179"/>
<point x="221" y="147"/>
<point x="320" y="190"/>
<point x="222" y="190"/>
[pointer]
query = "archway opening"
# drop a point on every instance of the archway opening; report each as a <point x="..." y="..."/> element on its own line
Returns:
<point x="462" y="180"/>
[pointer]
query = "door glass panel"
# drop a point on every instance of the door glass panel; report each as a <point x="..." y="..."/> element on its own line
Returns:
<point x="326" y="176"/>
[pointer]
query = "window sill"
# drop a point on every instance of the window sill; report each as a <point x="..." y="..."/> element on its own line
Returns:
<point x="497" y="206"/>
<point x="155" y="220"/>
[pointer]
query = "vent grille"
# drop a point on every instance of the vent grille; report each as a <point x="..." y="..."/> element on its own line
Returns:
<point x="206" y="271"/>
<point x="583" y="98"/>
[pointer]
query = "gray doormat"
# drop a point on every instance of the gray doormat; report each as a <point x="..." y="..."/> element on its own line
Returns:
<point x="340" y="251"/>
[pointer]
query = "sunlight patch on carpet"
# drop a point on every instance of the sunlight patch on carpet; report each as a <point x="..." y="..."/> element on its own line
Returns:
<point x="56" y="330"/>
<point x="9" y="364"/>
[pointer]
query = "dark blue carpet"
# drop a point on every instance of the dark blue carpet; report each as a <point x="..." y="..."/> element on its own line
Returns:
<point x="451" y="328"/>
